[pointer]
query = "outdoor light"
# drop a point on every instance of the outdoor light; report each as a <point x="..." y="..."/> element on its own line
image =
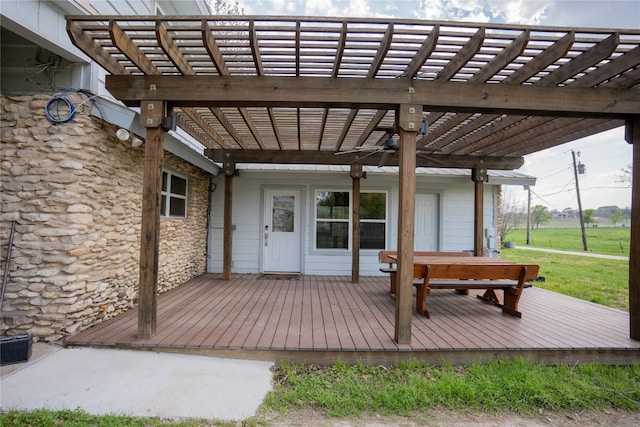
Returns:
<point x="123" y="134"/>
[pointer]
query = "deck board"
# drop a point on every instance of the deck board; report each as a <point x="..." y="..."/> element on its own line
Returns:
<point x="326" y="318"/>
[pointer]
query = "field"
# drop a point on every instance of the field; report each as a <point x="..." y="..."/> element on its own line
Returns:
<point x="602" y="281"/>
<point x="603" y="240"/>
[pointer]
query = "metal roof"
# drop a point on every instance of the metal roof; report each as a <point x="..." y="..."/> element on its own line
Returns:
<point x="487" y="90"/>
<point x="495" y="176"/>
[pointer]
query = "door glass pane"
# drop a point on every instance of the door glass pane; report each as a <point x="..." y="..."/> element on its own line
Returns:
<point x="283" y="214"/>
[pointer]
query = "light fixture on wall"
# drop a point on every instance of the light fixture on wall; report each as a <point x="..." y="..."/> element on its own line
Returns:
<point x="125" y="135"/>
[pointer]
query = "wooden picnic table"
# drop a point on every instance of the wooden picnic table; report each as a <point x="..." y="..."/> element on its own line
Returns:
<point x="441" y="259"/>
<point x="464" y="273"/>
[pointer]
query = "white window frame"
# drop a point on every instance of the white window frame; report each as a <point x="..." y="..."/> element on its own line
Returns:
<point x="349" y="220"/>
<point x="168" y="195"/>
<point x="385" y="221"/>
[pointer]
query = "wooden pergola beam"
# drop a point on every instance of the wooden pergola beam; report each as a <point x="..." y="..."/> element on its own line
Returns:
<point x="409" y="118"/>
<point x="300" y="92"/>
<point x="479" y="177"/>
<point x="464" y="55"/>
<point x="632" y="135"/>
<point x="356" y="174"/>
<point x="423" y="53"/>
<point x="373" y="124"/>
<point x="506" y="56"/>
<point x="151" y="116"/>
<point x="330" y="158"/>
<point x="226" y="123"/>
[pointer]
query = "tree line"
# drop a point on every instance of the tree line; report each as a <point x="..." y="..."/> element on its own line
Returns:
<point x="514" y="217"/>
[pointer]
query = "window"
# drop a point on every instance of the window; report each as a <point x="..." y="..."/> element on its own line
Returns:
<point x="333" y="220"/>
<point x="174" y="195"/>
<point x="373" y="220"/>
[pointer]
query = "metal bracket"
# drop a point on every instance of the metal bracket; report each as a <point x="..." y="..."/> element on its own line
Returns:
<point x="229" y="168"/>
<point x="479" y="174"/>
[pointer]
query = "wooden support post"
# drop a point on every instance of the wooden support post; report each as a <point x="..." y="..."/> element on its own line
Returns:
<point x="633" y="137"/>
<point x="229" y="172"/>
<point x="356" y="174"/>
<point x="151" y="116"/>
<point x="479" y="177"/>
<point x="409" y="121"/>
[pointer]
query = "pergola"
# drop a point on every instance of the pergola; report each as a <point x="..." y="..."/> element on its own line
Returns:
<point x="268" y="89"/>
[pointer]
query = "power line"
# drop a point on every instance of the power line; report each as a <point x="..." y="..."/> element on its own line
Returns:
<point x="546" y="202"/>
<point x="556" y="173"/>
<point x="559" y="191"/>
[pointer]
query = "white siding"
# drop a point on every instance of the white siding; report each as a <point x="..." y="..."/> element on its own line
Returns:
<point x="456" y="222"/>
<point x="40" y="22"/>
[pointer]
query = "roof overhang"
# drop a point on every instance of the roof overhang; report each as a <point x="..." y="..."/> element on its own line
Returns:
<point x="495" y="177"/>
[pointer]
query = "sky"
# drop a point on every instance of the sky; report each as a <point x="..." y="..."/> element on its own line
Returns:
<point x="604" y="155"/>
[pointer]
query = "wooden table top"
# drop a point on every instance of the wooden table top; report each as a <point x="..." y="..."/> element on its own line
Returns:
<point x="471" y="260"/>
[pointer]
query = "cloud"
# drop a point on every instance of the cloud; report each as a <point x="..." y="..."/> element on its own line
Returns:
<point x="331" y="8"/>
<point x="346" y="8"/>
<point x="512" y="11"/>
<point x="575" y="13"/>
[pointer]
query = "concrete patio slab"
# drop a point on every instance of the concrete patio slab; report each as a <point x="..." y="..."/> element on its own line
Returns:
<point x="137" y="383"/>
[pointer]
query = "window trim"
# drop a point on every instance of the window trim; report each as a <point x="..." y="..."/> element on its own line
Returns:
<point x="378" y="221"/>
<point x="168" y="195"/>
<point x="349" y="220"/>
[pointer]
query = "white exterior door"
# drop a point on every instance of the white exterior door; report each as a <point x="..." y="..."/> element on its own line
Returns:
<point x="282" y="231"/>
<point x="426" y="225"/>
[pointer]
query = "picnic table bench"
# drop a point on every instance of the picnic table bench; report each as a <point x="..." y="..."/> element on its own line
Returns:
<point x="510" y="278"/>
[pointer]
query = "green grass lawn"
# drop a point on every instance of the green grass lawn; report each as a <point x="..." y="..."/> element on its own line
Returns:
<point x="500" y="386"/>
<point x="602" y="281"/>
<point x="604" y="240"/>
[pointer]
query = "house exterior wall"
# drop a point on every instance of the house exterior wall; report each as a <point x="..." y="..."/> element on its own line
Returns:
<point x="456" y="222"/>
<point x="75" y="192"/>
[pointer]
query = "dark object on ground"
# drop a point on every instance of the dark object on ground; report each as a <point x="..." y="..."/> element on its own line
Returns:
<point x="15" y="349"/>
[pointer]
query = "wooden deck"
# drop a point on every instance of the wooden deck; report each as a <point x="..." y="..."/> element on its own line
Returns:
<point x="322" y="319"/>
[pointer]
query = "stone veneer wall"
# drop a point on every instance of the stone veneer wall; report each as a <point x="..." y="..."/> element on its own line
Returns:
<point x="75" y="192"/>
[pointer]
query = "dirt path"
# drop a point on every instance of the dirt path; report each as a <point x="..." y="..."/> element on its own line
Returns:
<point x="466" y="419"/>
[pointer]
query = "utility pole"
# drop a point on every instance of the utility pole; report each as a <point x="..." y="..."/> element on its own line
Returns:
<point x="528" y="215"/>
<point x="575" y="173"/>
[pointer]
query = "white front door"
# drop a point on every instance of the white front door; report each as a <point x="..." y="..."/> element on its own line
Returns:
<point x="282" y="231"/>
<point x="426" y="225"/>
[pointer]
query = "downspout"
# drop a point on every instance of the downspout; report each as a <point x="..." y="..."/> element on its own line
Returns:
<point x="211" y="190"/>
